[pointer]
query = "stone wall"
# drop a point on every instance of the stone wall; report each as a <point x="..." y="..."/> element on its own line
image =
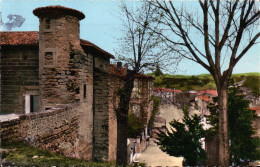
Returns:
<point x="114" y="85"/>
<point x="19" y="71"/>
<point x="56" y="130"/>
<point x="101" y="115"/>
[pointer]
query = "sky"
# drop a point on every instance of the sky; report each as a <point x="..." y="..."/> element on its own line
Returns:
<point x="102" y="26"/>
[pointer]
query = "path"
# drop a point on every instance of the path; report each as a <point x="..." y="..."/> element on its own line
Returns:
<point x="153" y="156"/>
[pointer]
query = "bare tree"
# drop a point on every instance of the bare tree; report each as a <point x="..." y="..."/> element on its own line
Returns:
<point x="140" y="49"/>
<point x="216" y="37"/>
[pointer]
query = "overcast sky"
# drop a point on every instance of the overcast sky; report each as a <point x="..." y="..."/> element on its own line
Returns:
<point x="102" y="26"/>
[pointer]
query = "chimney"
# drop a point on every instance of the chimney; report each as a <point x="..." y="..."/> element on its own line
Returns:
<point x="119" y="64"/>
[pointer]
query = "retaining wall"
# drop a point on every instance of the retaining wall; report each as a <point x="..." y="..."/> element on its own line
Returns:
<point x="55" y="130"/>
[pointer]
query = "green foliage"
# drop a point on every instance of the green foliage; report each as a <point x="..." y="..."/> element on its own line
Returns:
<point x="22" y="155"/>
<point x="135" y="125"/>
<point x="253" y="83"/>
<point x="182" y="139"/>
<point x="204" y="81"/>
<point x="157" y="71"/>
<point x="211" y="85"/>
<point x="240" y="117"/>
<point x="156" y="103"/>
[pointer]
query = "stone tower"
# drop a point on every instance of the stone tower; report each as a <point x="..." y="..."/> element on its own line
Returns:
<point x="65" y="71"/>
<point x="59" y="42"/>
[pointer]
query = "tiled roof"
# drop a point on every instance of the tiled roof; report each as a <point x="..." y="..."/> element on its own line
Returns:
<point x="205" y="98"/>
<point x="256" y="109"/>
<point x="32" y="38"/>
<point x="93" y="46"/>
<point x="57" y="10"/>
<point x="166" y="90"/>
<point x="116" y="71"/>
<point x="140" y="75"/>
<point x="19" y="38"/>
<point x="211" y="92"/>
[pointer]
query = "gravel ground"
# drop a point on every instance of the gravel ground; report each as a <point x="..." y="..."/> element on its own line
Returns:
<point x="153" y="156"/>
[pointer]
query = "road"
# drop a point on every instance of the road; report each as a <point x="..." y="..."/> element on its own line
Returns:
<point x="153" y="156"/>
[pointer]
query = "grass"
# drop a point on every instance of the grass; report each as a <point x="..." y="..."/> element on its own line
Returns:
<point x="23" y="156"/>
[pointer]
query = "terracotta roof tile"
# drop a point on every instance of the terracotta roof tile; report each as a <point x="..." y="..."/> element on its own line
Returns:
<point x="56" y="10"/>
<point x="117" y="72"/>
<point x="140" y="75"/>
<point x="93" y="46"/>
<point x="205" y="98"/>
<point x="211" y="92"/>
<point x="256" y="109"/>
<point x="32" y="38"/>
<point x="19" y="38"/>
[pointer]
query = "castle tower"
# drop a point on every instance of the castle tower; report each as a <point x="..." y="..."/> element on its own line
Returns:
<point x="59" y="42"/>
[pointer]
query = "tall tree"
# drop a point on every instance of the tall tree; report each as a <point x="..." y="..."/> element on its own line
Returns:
<point x="216" y="37"/>
<point x="183" y="139"/>
<point x="138" y="48"/>
<point x="243" y="142"/>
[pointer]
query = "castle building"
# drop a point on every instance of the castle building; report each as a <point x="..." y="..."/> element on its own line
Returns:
<point x="60" y="87"/>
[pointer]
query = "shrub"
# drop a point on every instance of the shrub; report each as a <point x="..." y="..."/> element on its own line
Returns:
<point x="135" y="126"/>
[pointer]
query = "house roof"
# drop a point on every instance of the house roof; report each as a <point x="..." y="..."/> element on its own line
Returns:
<point x="15" y="38"/>
<point x="56" y="11"/>
<point x="166" y="90"/>
<point x="256" y="109"/>
<point x="95" y="47"/>
<point x="121" y="72"/>
<point x="140" y="75"/>
<point x="211" y="92"/>
<point x="116" y="71"/>
<point x="19" y="38"/>
<point x="206" y="98"/>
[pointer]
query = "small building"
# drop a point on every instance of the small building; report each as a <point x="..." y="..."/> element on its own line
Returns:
<point x="168" y="96"/>
<point x="202" y="100"/>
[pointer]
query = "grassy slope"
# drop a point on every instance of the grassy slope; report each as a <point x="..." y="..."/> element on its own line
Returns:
<point x="204" y="81"/>
<point x="23" y="155"/>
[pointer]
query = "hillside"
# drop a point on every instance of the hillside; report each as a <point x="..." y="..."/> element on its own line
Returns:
<point x="204" y="81"/>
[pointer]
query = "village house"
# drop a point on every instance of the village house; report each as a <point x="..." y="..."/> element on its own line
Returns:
<point x="141" y="105"/>
<point x="168" y="96"/>
<point x="202" y="100"/>
<point x="61" y="88"/>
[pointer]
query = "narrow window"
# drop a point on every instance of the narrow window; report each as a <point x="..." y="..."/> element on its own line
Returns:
<point x="34" y="103"/>
<point x="47" y="23"/>
<point x="85" y="91"/>
<point x="31" y="103"/>
<point x="48" y="58"/>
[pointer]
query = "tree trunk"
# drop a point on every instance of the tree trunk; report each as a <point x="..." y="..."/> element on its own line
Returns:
<point x="122" y="119"/>
<point x="223" y="126"/>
